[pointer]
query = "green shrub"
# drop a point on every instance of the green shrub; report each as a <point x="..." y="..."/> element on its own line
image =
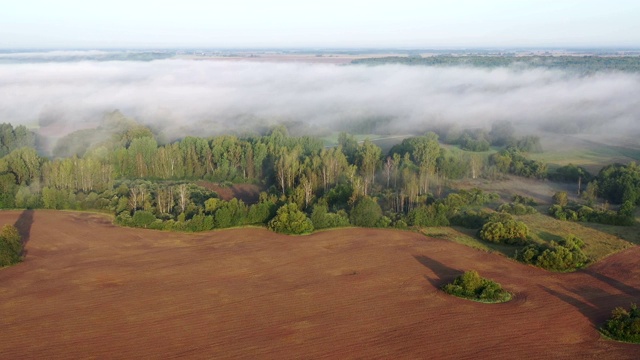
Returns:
<point x="431" y="215"/>
<point x="478" y="197"/>
<point x="516" y="209"/>
<point x="471" y="285"/>
<point x="290" y="220"/>
<point x="323" y="219"/>
<point x="261" y="213"/>
<point x="502" y="228"/>
<point x="524" y="200"/>
<point x="470" y="219"/>
<point x="383" y="222"/>
<point x="623" y="325"/>
<point x="624" y="217"/>
<point x="10" y="245"/>
<point x="366" y="212"/>
<point x="142" y="219"/>
<point x="565" y="255"/>
<point x="400" y="224"/>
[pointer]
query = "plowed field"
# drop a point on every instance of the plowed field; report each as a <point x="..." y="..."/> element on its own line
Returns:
<point x="88" y="289"/>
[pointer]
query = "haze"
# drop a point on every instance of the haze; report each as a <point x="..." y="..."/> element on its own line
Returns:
<point x="330" y="23"/>
<point x="199" y="97"/>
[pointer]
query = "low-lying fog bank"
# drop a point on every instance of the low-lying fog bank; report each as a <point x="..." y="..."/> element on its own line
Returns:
<point x="209" y="97"/>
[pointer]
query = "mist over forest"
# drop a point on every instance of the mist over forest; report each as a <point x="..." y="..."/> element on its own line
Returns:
<point x="180" y="97"/>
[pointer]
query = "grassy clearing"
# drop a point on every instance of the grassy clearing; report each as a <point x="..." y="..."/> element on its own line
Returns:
<point x="468" y="238"/>
<point x="589" y="154"/>
<point x="600" y="240"/>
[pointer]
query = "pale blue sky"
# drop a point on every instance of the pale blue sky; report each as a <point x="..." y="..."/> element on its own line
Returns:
<point x="326" y="23"/>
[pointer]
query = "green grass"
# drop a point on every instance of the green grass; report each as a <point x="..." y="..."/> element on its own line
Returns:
<point x="600" y="240"/>
<point x="592" y="157"/>
<point x="468" y="238"/>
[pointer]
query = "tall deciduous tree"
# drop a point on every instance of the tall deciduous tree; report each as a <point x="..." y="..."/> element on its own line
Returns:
<point x="368" y="155"/>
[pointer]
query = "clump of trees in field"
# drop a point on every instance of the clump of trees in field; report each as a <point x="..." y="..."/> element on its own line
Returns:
<point x="563" y="209"/>
<point x="624" y="325"/>
<point x="512" y="161"/>
<point x="502" y="228"/>
<point x="620" y="183"/>
<point x="565" y="255"/>
<point x="471" y="285"/>
<point x="290" y="220"/>
<point x="516" y="209"/>
<point x="10" y="246"/>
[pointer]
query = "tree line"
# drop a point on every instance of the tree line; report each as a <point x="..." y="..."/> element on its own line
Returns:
<point x="128" y="171"/>
<point x="579" y="64"/>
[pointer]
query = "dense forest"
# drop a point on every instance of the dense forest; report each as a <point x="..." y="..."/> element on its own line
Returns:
<point x="121" y="168"/>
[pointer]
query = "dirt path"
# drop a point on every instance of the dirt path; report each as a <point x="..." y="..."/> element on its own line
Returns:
<point x="91" y="290"/>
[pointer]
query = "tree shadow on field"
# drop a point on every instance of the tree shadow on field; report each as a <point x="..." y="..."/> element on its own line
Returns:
<point x="548" y="237"/>
<point x="624" y="288"/>
<point x="584" y="308"/>
<point x="444" y="274"/>
<point x="593" y="302"/>
<point x="23" y="224"/>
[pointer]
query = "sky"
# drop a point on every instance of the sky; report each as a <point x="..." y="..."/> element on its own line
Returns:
<point x="64" y="24"/>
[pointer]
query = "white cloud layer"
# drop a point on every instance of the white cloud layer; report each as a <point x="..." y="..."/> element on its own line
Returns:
<point x="212" y="96"/>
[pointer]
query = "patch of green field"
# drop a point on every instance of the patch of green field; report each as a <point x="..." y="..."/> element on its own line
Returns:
<point x="467" y="237"/>
<point x="592" y="157"/>
<point x="600" y="240"/>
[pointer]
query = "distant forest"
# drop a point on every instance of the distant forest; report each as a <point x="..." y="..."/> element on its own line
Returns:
<point x="580" y="64"/>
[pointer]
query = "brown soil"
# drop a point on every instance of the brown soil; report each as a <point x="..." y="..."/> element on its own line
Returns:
<point x="248" y="193"/>
<point x="88" y="289"/>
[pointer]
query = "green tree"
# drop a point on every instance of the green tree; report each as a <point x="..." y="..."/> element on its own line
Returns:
<point x="561" y="198"/>
<point x="323" y="219"/>
<point x="425" y="153"/>
<point x="471" y="285"/>
<point x="366" y="212"/>
<point x="10" y="245"/>
<point x="290" y="220"/>
<point x="368" y="156"/>
<point x="624" y="325"/>
<point x="502" y="228"/>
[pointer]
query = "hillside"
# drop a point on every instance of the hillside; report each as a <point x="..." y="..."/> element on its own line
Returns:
<point x="90" y="289"/>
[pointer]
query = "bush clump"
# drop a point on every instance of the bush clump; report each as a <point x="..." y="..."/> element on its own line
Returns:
<point x="565" y="255"/>
<point x="471" y="285"/>
<point x="502" y="228"/>
<point x="582" y="213"/>
<point x="516" y="209"/>
<point x="366" y="212"/>
<point x="323" y="219"/>
<point x="624" y="325"/>
<point x="290" y="220"/>
<point x="10" y="246"/>
<point x="470" y="219"/>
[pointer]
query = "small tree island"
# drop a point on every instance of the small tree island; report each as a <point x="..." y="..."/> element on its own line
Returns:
<point x="472" y="286"/>
<point x="624" y="325"/>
